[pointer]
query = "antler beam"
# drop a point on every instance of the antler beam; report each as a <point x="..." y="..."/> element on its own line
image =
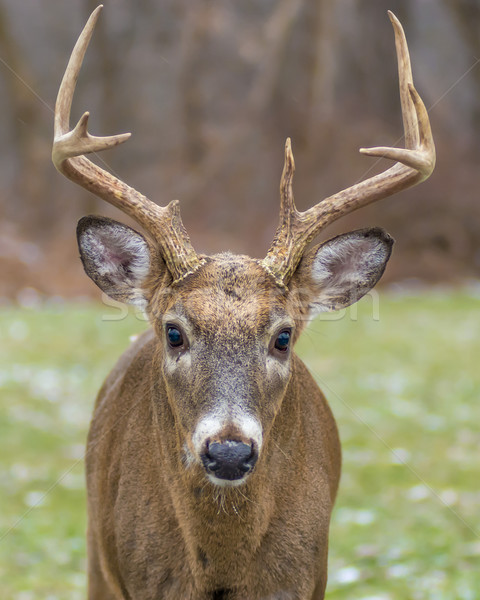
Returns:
<point x="414" y="164"/>
<point x="163" y="223"/>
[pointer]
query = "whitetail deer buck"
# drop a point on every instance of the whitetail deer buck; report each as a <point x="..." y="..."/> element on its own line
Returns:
<point x="213" y="458"/>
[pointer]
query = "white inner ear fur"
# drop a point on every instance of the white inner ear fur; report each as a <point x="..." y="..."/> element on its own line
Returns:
<point x="347" y="260"/>
<point x="121" y="255"/>
<point x="346" y="267"/>
<point x="118" y="253"/>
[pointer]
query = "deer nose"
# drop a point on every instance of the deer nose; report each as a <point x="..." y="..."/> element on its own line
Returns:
<point x="230" y="459"/>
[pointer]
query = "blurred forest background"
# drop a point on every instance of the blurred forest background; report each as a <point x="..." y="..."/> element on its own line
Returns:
<point x="210" y="90"/>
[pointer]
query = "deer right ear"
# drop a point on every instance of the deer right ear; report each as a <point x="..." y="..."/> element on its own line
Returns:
<point x="339" y="272"/>
<point x="115" y="257"/>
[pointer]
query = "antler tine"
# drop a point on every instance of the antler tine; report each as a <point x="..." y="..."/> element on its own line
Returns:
<point x="63" y="137"/>
<point x="163" y="223"/>
<point x="414" y="164"/>
<point x="288" y="211"/>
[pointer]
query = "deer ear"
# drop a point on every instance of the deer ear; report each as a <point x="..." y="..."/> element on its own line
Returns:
<point x="115" y="257"/>
<point x="339" y="272"/>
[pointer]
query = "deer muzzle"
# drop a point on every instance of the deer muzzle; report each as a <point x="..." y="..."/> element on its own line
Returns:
<point x="228" y="448"/>
<point x="230" y="460"/>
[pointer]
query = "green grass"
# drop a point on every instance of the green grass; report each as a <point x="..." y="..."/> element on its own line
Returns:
<point x="404" y="388"/>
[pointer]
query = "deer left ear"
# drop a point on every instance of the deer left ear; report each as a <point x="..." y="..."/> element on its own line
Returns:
<point x="339" y="272"/>
<point x="116" y="257"/>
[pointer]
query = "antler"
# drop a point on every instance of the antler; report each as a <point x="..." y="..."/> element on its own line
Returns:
<point x="414" y="163"/>
<point x="163" y="223"/>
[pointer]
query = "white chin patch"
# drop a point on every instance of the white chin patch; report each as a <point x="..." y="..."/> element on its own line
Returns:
<point x="226" y="482"/>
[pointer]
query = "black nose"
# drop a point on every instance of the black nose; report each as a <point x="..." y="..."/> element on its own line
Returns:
<point x="229" y="460"/>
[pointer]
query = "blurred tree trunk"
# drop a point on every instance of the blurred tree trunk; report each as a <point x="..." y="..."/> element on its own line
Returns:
<point x="31" y="185"/>
<point x="277" y="32"/>
<point x="196" y="34"/>
<point x="321" y="32"/>
<point x="466" y="13"/>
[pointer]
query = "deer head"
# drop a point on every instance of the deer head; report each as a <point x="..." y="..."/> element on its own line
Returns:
<point x="225" y="325"/>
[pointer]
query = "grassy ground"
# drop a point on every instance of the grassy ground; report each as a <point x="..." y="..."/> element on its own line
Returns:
<point x="404" y="385"/>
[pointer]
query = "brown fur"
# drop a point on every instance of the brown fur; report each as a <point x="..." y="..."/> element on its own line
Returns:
<point x="158" y="529"/>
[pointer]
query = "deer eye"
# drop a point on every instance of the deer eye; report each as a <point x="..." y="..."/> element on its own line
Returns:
<point x="282" y="342"/>
<point x="174" y="336"/>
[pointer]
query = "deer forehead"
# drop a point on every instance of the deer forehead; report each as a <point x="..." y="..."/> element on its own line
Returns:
<point x="229" y="292"/>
